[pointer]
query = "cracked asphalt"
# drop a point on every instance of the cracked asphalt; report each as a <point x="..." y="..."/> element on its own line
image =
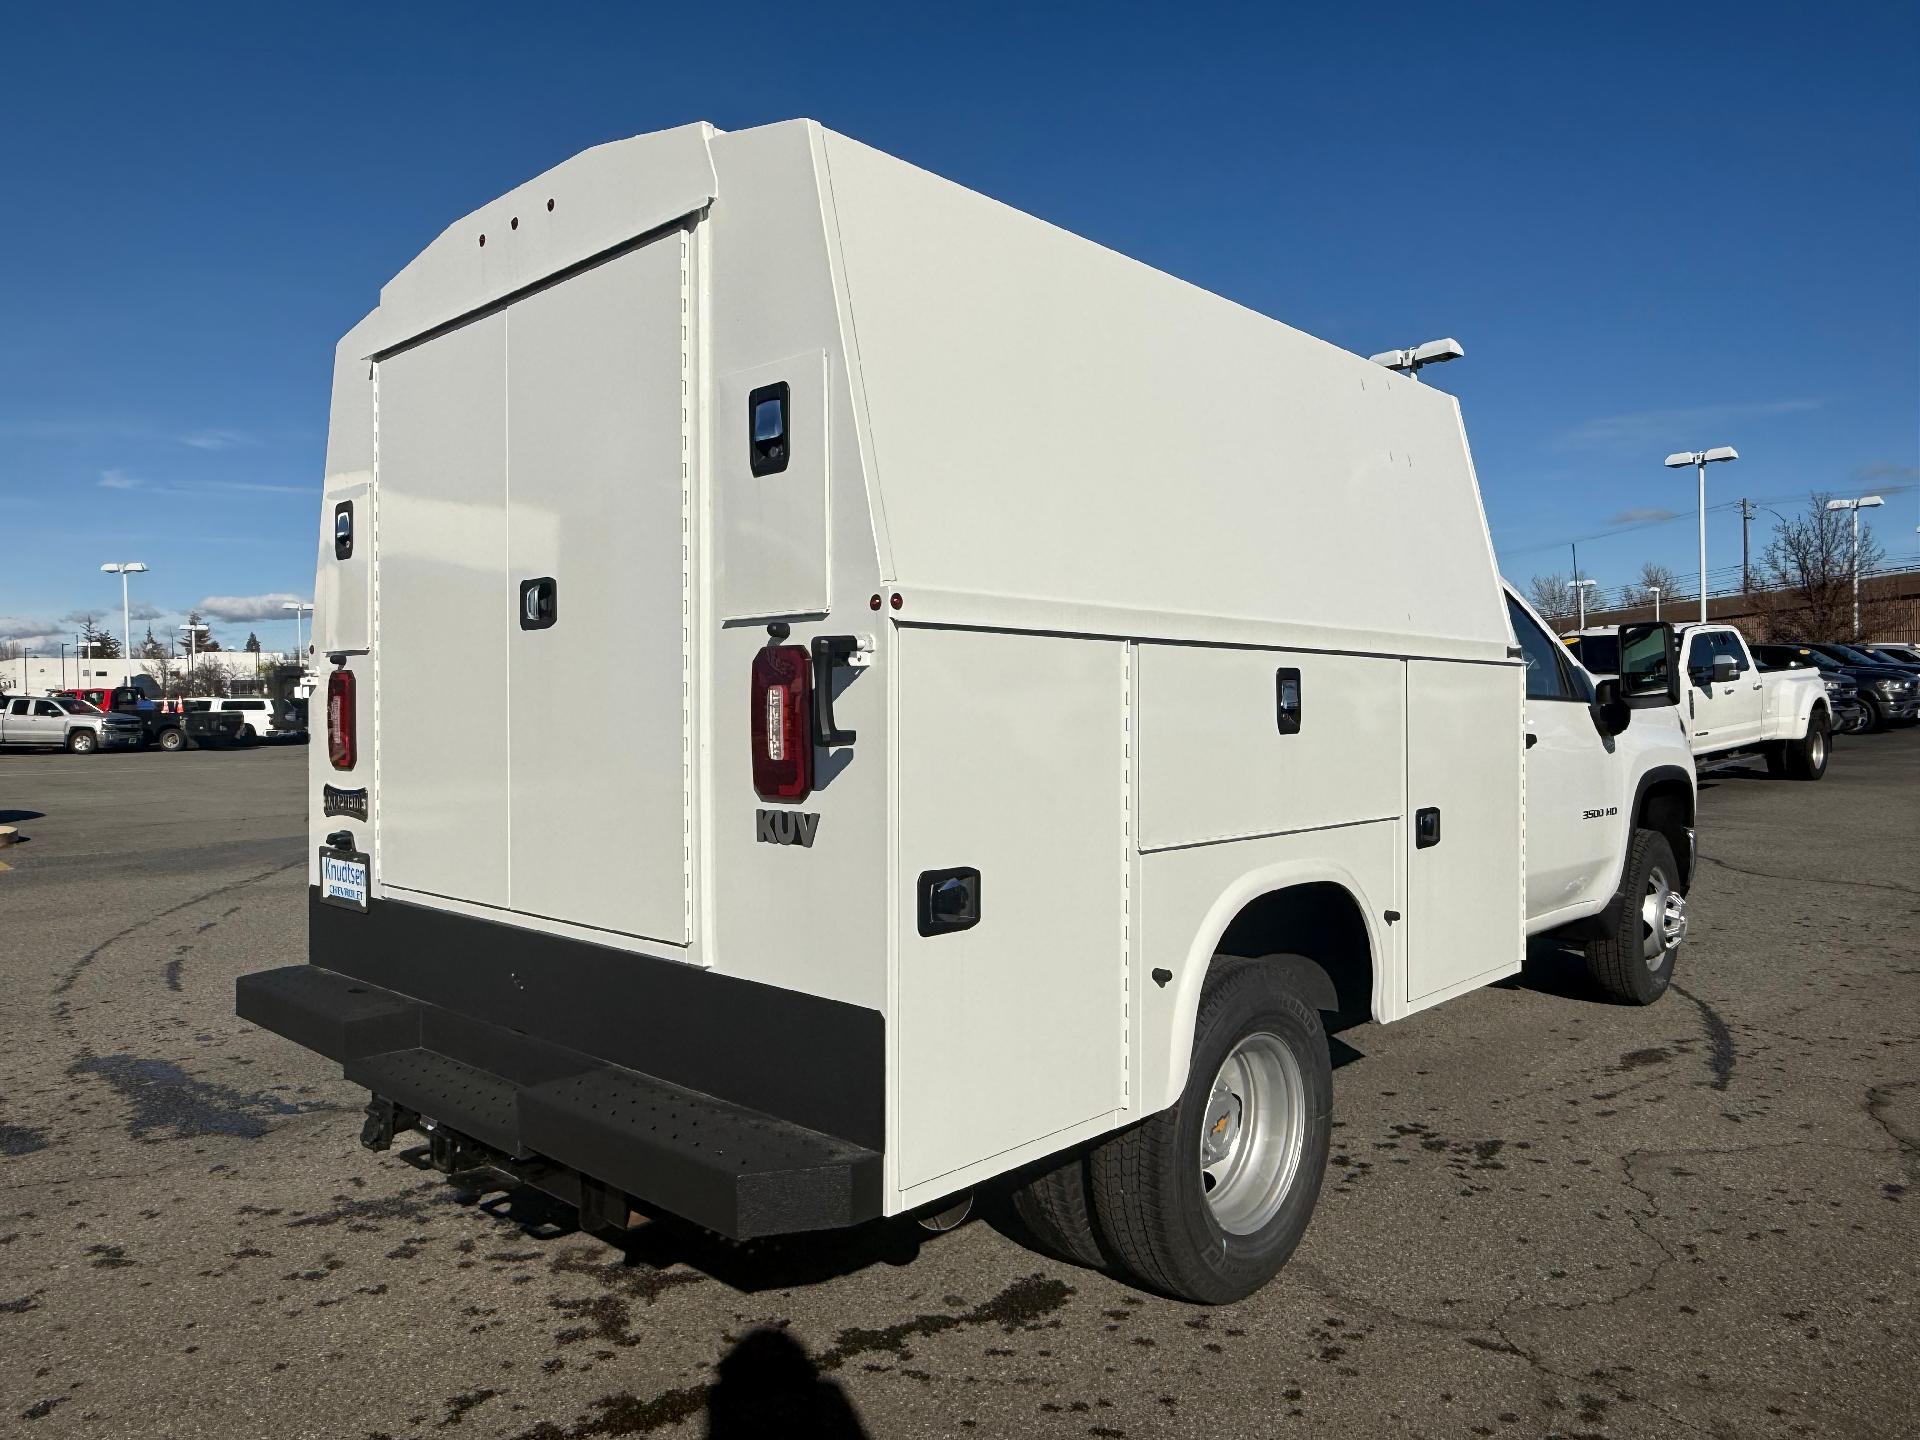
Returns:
<point x="1546" y="1215"/>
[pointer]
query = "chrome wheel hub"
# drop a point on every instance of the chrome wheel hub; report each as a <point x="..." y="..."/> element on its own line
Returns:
<point x="1663" y="919"/>
<point x="1253" y="1134"/>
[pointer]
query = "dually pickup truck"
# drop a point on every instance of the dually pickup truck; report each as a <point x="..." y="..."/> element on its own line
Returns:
<point x="1731" y="708"/>
<point x="59" y="722"/>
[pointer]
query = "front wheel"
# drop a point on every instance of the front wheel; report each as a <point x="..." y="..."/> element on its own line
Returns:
<point x="1806" y="758"/>
<point x="1206" y="1201"/>
<point x="82" y="742"/>
<point x="1876" y="717"/>
<point x="1632" y="960"/>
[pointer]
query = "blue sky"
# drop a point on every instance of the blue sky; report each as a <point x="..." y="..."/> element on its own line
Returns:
<point x="1652" y="227"/>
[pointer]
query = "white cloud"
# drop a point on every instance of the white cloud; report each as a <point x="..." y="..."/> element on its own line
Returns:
<point x="140" y="610"/>
<point x="236" y="609"/>
<point x="14" y="627"/>
<point x="1678" y="428"/>
<point x="217" y="439"/>
<point x="117" y="479"/>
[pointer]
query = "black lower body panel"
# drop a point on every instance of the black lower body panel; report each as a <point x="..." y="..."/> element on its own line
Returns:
<point x="531" y="1097"/>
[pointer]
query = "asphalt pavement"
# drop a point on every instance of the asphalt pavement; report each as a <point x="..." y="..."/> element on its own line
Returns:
<point x="1546" y="1215"/>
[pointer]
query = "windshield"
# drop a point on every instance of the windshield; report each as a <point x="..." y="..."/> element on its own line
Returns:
<point x="75" y="707"/>
<point x="1599" y="653"/>
<point x="1866" y="657"/>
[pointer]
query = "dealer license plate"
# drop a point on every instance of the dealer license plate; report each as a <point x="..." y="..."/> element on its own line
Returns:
<point x="343" y="878"/>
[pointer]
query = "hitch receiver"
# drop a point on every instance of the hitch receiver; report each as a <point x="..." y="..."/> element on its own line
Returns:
<point x="384" y="1120"/>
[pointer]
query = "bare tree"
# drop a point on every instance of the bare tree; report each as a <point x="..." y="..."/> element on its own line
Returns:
<point x="1808" y="569"/>
<point x="206" y="678"/>
<point x="165" y="670"/>
<point x="1550" y="596"/>
<point x="1655" y="576"/>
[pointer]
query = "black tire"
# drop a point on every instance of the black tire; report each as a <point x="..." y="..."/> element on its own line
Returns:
<point x="248" y="734"/>
<point x="1619" y="958"/>
<point x="83" y="742"/>
<point x="1806" y="758"/>
<point x="1777" y="759"/>
<point x="1153" y="1217"/>
<point x="1056" y="1209"/>
<point x="1876" y="717"/>
<point x="171" y="739"/>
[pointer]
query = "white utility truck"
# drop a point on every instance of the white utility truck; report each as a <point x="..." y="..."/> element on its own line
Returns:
<point x="1052" y="695"/>
<point x="1733" y="710"/>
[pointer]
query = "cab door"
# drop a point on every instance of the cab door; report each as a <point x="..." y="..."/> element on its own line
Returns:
<point x="1575" y="831"/>
<point x="1724" y="713"/>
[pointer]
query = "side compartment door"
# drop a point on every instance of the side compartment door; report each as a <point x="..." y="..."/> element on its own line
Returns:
<point x="1012" y="762"/>
<point x="1465" y="923"/>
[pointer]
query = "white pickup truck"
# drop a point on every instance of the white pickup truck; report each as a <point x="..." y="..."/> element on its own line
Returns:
<point x="1730" y="707"/>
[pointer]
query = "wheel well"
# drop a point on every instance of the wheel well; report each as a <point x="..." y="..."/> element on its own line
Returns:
<point x="1320" y="922"/>
<point x="1667" y="808"/>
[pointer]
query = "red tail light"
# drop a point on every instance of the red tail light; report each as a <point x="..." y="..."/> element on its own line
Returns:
<point x="341" y="720"/>
<point x="782" y="723"/>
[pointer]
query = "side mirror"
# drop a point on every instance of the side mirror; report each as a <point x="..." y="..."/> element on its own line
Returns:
<point x="1725" y="668"/>
<point x="1611" y="713"/>
<point x="1649" y="665"/>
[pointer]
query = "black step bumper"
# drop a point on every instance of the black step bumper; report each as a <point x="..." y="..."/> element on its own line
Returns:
<point x="735" y="1170"/>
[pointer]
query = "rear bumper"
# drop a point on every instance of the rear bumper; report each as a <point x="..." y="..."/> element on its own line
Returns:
<point x="741" y="1106"/>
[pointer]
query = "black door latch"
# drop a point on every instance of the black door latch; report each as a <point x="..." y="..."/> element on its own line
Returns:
<point x="1426" y="827"/>
<point x="829" y="651"/>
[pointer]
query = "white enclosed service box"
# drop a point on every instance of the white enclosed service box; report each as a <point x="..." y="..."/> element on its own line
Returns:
<point x="995" y="634"/>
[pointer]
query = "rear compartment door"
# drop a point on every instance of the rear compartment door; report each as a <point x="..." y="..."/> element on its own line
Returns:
<point x="540" y="767"/>
<point x="596" y="416"/>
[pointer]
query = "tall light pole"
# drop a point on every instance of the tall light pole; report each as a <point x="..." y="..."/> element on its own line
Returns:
<point x="1863" y="502"/>
<point x="1580" y="588"/>
<point x="299" y="608"/>
<point x="123" y="569"/>
<point x="1409" y="361"/>
<point x="193" y="634"/>
<point x="1700" y="459"/>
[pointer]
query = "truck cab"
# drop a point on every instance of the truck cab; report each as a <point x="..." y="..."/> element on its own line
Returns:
<point x="1734" y="709"/>
<point x="1593" y="777"/>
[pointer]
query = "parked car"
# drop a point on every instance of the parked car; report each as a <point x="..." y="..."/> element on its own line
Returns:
<point x="1899" y="653"/>
<point x="1733" y="708"/>
<point x="164" y="725"/>
<point x="1885" y="694"/>
<point x="1033" y="854"/>
<point x="60" y="722"/>
<point x="260" y="718"/>
<point x="1860" y="656"/>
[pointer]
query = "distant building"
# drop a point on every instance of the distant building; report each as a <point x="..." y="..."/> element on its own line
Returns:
<point x="41" y="673"/>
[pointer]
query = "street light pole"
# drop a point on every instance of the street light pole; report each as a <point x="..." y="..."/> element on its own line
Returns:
<point x="123" y="569"/>
<point x="1656" y="602"/>
<point x="1700" y="459"/>
<point x="1856" y="505"/>
<point x="299" y="608"/>
<point x="1580" y="588"/>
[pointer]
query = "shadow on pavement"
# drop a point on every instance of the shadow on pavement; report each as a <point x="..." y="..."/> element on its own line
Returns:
<point x="769" y="1385"/>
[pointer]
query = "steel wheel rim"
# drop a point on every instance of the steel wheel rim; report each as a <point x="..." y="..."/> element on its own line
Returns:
<point x="1253" y="1134"/>
<point x="1663" y="918"/>
<point x="1819" y="747"/>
